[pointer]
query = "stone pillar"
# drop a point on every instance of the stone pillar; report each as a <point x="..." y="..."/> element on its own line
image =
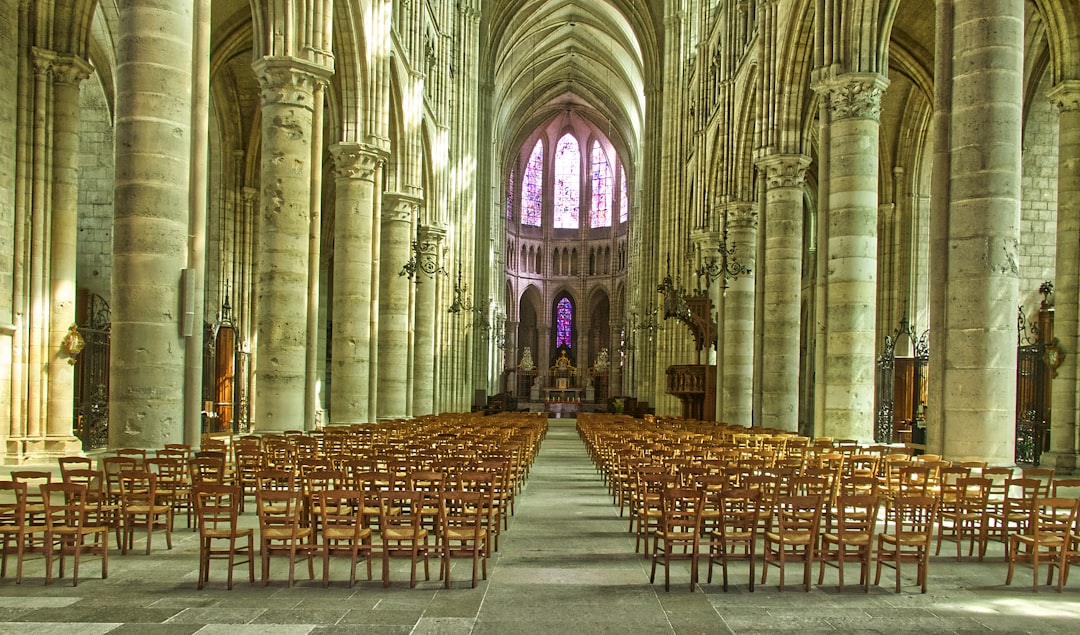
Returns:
<point x="67" y="74"/>
<point x="398" y="211"/>
<point x="854" y="108"/>
<point x="1063" y="425"/>
<point x="983" y="212"/>
<point x="354" y="166"/>
<point x="288" y="86"/>
<point x="782" y="271"/>
<point x="151" y="202"/>
<point x="736" y="369"/>
<point x="429" y="241"/>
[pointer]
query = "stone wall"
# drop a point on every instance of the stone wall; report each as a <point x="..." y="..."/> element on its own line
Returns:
<point x="1038" y="207"/>
<point x="95" y="191"/>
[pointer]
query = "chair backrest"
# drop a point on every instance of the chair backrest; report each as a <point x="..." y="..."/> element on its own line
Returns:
<point x="741" y="511"/>
<point x="138" y="487"/>
<point x="280" y="513"/>
<point x="799" y="514"/>
<point x="207" y="468"/>
<point x="322" y="480"/>
<point x="33" y="479"/>
<point x="339" y="512"/>
<point x="66" y="507"/>
<point x="999" y="476"/>
<point x="1053" y="516"/>
<point x="461" y="510"/>
<point x="852" y="485"/>
<point x="680" y="510"/>
<point x="973" y="493"/>
<point x="915" y="515"/>
<point x="1044" y="475"/>
<point x="1020" y="493"/>
<point x="217" y="506"/>
<point x="275" y="480"/>
<point x="74" y="462"/>
<point x="856" y="513"/>
<point x="138" y="454"/>
<point x="170" y="470"/>
<point x="13" y="496"/>
<point x="1065" y="488"/>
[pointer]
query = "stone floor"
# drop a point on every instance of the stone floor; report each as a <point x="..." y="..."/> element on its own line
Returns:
<point x="566" y="566"/>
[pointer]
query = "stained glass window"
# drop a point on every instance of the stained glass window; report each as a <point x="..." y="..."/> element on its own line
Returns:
<point x="531" y="186"/>
<point x="510" y="197"/>
<point x="624" y="208"/>
<point x="564" y="320"/>
<point x="567" y="182"/>
<point x="601" y="187"/>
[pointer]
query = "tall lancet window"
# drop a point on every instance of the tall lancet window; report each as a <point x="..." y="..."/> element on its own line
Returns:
<point x="601" y="187"/>
<point x="567" y="182"/>
<point x="564" y="322"/>
<point x="510" y="197"/>
<point x="624" y="206"/>
<point x="532" y="186"/>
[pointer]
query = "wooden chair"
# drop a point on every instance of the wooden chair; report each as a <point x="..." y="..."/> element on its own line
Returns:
<point x="217" y="511"/>
<point x="735" y="536"/>
<point x="69" y="525"/>
<point x="909" y="540"/>
<point x="795" y="536"/>
<point x="1045" y="476"/>
<point x="106" y="512"/>
<point x="402" y="533"/>
<point x="343" y="530"/>
<point x="966" y="514"/>
<point x="138" y="454"/>
<point x="1047" y="539"/>
<point x="173" y="484"/>
<point x="678" y="536"/>
<point x="16" y="532"/>
<point x="1065" y="488"/>
<point x="1015" y="511"/>
<point x="850" y="537"/>
<point x="464" y="530"/>
<point x="282" y="531"/>
<point x="140" y="506"/>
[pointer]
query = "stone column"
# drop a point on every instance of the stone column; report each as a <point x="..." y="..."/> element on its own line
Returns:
<point x="429" y="241"/>
<point x="354" y="166"/>
<point x="398" y="211"/>
<point x="983" y="213"/>
<point x="67" y="74"/>
<point x="151" y="202"/>
<point x="784" y="174"/>
<point x="288" y="86"/>
<point x="854" y="106"/>
<point x="736" y="369"/>
<point x="1063" y="426"/>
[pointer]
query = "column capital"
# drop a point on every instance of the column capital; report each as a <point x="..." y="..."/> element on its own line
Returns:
<point x="69" y="69"/>
<point x="1065" y="96"/>
<point x="400" y="207"/>
<point x="784" y="170"/>
<point x="742" y="215"/>
<point x="356" y="160"/>
<point x="853" y="95"/>
<point x="289" y="80"/>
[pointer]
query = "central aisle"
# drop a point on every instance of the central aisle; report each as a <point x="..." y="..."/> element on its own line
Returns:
<point x="568" y="565"/>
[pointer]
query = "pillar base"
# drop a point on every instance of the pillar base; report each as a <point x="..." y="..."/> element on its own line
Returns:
<point x="1060" y="461"/>
<point x="21" y="450"/>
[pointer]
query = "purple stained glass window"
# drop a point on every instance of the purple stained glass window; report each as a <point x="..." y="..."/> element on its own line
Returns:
<point x="564" y="320"/>
<point x="532" y="186"/>
<point x="624" y="207"/>
<point x="567" y="182"/>
<point x="601" y="187"/>
<point x="510" y="197"/>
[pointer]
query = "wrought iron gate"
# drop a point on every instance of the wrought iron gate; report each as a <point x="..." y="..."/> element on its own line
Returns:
<point x="1032" y="385"/>
<point x="92" y="373"/>
<point x="885" y="393"/>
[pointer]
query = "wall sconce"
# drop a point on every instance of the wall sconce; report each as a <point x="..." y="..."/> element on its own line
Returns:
<point x="461" y="299"/>
<point x="73" y="343"/>
<point x="726" y="266"/>
<point x="423" y="258"/>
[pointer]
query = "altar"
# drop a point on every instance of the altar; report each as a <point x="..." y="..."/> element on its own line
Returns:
<point x="562" y="396"/>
